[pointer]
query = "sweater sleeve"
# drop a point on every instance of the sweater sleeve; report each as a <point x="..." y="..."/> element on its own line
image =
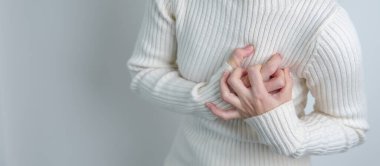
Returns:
<point x="155" y="75"/>
<point x="334" y="76"/>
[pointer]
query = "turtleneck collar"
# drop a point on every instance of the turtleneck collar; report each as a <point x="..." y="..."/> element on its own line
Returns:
<point x="273" y="2"/>
<point x="268" y="4"/>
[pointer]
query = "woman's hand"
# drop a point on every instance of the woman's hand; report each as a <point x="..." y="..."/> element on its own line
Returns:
<point x="256" y="99"/>
<point x="273" y="78"/>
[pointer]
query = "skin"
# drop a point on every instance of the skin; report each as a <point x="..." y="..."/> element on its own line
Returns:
<point x="254" y="90"/>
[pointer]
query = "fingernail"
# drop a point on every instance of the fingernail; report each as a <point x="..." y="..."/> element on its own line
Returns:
<point x="249" y="47"/>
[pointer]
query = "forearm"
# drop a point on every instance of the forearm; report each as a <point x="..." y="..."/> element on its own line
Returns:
<point x="166" y="88"/>
<point x="314" y="134"/>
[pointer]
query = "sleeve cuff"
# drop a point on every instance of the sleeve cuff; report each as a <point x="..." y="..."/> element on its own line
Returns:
<point x="279" y="127"/>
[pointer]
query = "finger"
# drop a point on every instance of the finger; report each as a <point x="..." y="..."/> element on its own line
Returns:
<point x="247" y="50"/>
<point x="256" y="80"/>
<point x="277" y="82"/>
<point x="288" y="83"/>
<point x="237" y="84"/>
<point x="223" y="114"/>
<point x="288" y="79"/>
<point x="271" y="66"/>
<point x="227" y="95"/>
<point x="239" y="54"/>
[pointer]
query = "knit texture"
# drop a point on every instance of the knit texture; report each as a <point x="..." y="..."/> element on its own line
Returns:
<point x="183" y="47"/>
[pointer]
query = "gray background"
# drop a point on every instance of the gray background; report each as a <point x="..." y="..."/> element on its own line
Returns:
<point x="64" y="86"/>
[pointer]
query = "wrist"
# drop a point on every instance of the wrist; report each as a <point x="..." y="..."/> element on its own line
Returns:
<point x="278" y="122"/>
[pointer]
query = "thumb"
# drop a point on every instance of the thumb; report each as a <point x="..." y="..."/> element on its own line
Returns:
<point x="239" y="54"/>
<point x="248" y="47"/>
<point x="249" y="50"/>
<point x="245" y="52"/>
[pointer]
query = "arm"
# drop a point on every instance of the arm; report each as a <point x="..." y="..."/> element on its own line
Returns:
<point x="334" y="78"/>
<point x="154" y="73"/>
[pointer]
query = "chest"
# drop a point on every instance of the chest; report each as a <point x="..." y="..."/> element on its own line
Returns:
<point x="207" y="36"/>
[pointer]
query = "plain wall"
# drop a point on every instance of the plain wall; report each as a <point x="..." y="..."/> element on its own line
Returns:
<point x="64" y="86"/>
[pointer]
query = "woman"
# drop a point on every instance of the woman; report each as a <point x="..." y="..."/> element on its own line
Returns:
<point x="255" y="114"/>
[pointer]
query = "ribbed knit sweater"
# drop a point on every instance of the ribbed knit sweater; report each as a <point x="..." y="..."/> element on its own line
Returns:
<point x="183" y="47"/>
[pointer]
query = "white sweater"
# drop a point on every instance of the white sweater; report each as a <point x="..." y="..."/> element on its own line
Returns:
<point x="181" y="52"/>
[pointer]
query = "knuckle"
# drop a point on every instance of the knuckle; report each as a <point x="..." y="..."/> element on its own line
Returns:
<point x="281" y="83"/>
<point x="271" y="69"/>
<point x="232" y="80"/>
<point x="237" y="71"/>
<point x="251" y="69"/>
<point x="258" y="96"/>
<point x="225" y="97"/>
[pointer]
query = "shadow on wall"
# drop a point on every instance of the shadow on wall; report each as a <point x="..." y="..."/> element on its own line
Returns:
<point x="65" y="97"/>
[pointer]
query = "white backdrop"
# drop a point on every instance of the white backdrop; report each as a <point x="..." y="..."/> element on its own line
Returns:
<point x="64" y="86"/>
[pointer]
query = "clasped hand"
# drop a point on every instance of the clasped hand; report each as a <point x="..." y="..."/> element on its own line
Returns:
<point x="254" y="90"/>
